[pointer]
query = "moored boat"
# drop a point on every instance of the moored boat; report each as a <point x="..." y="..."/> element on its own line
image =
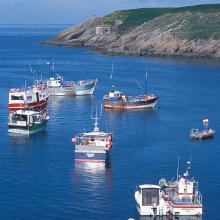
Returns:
<point x="93" y="146"/>
<point x="84" y="87"/>
<point x="57" y="87"/>
<point x="117" y="100"/>
<point x="25" y="122"/>
<point x="177" y="198"/>
<point x="197" y="134"/>
<point x="35" y="98"/>
<point x="205" y="133"/>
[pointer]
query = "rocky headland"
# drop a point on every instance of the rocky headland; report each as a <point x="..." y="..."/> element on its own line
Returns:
<point x="192" y="31"/>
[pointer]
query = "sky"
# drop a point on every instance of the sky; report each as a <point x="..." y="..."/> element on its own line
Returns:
<point x="75" y="11"/>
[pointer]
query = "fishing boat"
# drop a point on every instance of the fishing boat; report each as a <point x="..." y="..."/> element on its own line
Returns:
<point x="177" y="198"/>
<point x="93" y="146"/>
<point x="117" y="100"/>
<point x="35" y="98"/>
<point x="57" y="87"/>
<point x="84" y="87"/>
<point x="26" y="122"/>
<point x="197" y="134"/>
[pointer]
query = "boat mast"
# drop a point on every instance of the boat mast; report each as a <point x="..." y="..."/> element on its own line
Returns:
<point x="177" y="170"/>
<point x="96" y="127"/>
<point x="145" y="89"/>
<point x="111" y="75"/>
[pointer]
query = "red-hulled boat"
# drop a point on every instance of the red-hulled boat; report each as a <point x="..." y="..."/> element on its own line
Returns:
<point x="35" y="98"/>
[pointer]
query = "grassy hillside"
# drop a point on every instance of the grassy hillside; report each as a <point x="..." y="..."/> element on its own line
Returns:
<point x="197" y="28"/>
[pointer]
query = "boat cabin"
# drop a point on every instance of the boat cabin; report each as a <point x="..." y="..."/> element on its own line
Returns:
<point x="22" y="117"/>
<point x="92" y="139"/>
<point x="150" y="194"/>
<point x="115" y="94"/>
<point x="55" y="82"/>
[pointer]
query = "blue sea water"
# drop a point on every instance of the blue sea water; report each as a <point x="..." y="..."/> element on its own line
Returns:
<point x="38" y="175"/>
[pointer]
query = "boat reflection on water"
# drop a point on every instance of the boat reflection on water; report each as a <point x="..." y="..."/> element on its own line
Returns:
<point x="19" y="139"/>
<point x="94" y="174"/>
<point x="169" y="218"/>
<point x="93" y="167"/>
<point x="150" y="110"/>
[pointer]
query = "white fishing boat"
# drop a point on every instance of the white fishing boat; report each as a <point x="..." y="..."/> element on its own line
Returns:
<point x="84" y="87"/>
<point x="26" y="122"/>
<point x="93" y="146"/>
<point x="57" y="87"/>
<point x="177" y="198"/>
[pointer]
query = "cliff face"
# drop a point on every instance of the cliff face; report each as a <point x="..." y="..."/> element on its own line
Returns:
<point x="190" y="32"/>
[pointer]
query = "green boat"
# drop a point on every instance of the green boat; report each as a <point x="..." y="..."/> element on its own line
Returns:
<point x="26" y="122"/>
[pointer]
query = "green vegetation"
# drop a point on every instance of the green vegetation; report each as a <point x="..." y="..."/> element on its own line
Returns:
<point x="191" y="22"/>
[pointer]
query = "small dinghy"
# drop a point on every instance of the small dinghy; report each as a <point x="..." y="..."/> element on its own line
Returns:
<point x="196" y="134"/>
<point x="205" y="133"/>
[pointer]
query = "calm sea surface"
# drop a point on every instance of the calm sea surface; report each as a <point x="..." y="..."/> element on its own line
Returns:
<point x="38" y="175"/>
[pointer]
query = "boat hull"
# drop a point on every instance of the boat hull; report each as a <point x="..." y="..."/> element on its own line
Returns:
<point x="186" y="210"/>
<point x="86" y="89"/>
<point x="108" y="104"/>
<point x="34" y="105"/>
<point x="61" y="91"/>
<point x="90" y="157"/>
<point x="27" y="129"/>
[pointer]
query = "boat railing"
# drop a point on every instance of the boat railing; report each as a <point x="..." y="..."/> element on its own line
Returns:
<point x="198" y="197"/>
<point x="87" y="81"/>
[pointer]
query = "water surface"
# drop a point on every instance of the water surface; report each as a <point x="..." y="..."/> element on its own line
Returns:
<point x="39" y="178"/>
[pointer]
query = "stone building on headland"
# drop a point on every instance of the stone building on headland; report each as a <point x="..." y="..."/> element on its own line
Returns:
<point x="102" y="30"/>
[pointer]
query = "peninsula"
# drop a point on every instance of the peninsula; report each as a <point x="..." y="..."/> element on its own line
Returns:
<point x="192" y="31"/>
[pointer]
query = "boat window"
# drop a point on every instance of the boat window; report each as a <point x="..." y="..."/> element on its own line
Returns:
<point x="150" y="197"/>
<point x="186" y="200"/>
<point x="15" y="97"/>
<point x="17" y="117"/>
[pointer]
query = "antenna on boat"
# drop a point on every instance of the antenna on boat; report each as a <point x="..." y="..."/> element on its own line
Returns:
<point x="177" y="170"/>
